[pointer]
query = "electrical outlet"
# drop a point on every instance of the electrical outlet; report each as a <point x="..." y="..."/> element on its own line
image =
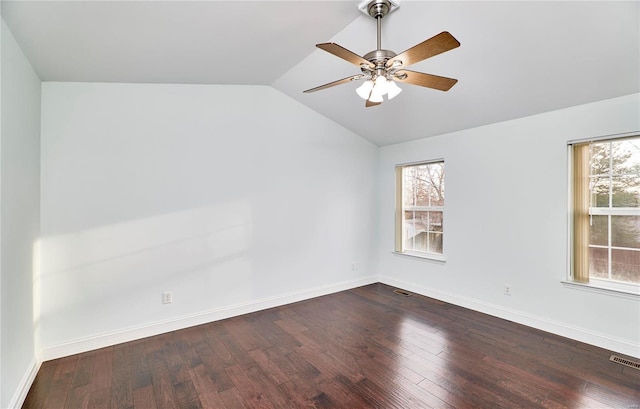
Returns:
<point x="507" y="289"/>
<point x="354" y="266"/>
<point x="167" y="297"/>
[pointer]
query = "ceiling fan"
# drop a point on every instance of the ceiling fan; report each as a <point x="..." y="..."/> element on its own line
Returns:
<point x="382" y="68"/>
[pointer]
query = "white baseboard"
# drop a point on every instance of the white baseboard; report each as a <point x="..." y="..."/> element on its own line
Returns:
<point x="77" y="346"/>
<point x="605" y="341"/>
<point x="25" y="384"/>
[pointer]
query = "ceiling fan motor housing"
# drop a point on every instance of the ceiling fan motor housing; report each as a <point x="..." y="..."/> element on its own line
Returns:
<point x="379" y="56"/>
<point x="379" y="59"/>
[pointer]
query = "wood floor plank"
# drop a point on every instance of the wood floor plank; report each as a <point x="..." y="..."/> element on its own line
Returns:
<point x="252" y="396"/>
<point x="363" y="348"/>
<point x="144" y="397"/>
<point x="99" y="399"/>
<point x="214" y="366"/>
<point x="205" y="387"/>
<point x="79" y="397"/>
<point x="140" y="374"/>
<point x="298" y="393"/>
<point x="232" y="399"/>
<point x="222" y="354"/>
<point x="271" y="369"/>
<point x="164" y="393"/>
<point x="121" y="385"/>
<point x="84" y="369"/>
<point x="61" y="382"/>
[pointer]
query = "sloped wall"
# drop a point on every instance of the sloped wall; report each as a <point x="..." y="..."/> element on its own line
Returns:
<point x="231" y="197"/>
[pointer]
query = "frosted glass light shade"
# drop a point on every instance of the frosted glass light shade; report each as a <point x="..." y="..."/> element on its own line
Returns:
<point x="364" y="90"/>
<point x="379" y="89"/>
<point x="375" y="90"/>
<point x="380" y="86"/>
<point x="375" y="96"/>
<point x="393" y="89"/>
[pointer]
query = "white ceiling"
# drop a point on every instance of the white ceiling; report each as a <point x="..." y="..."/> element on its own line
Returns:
<point x="517" y="58"/>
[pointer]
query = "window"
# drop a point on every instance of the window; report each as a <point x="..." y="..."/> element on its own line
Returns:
<point x="419" y="209"/>
<point x="606" y="212"/>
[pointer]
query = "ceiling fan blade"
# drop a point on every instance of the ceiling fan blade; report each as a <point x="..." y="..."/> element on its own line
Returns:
<point x="334" y="83"/>
<point x="428" y="48"/>
<point x="426" y="80"/>
<point x="371" y="104"/>
<point x="345" y="54"/>
<point x="368" y="103"/>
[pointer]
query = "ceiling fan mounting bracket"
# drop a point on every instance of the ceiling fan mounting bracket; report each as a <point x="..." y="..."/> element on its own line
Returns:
<point x="378" y="8"/>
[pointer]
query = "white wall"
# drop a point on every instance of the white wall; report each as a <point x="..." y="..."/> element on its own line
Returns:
<point x="233" y="197"/>
<point x="506" y="223"/>
<point x="19" y="221"/>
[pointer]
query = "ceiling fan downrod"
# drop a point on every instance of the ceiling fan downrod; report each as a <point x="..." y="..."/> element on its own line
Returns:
<point x="378" y="9"/>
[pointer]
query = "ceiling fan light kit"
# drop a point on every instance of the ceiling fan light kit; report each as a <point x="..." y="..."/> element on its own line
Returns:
<point x="381" y="69"/>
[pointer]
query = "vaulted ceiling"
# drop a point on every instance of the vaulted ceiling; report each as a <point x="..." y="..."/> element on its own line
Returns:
<point x="517" y="58"/>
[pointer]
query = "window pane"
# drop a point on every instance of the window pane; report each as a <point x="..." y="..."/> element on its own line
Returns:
<point x="625" y="265"/>
<point x="424" y="185"/>
<point x="436" y="177"/>
<point x="615" y="168"/>
<point x="626" y="192"/>
<point x="600" y="191"/>
<point x="600" y="158"/>
<point x="599" y="231"/>
<point x="598" y="263"/>
<point x="625" y="231"/>
<point x="435" y="243"/>
<point x="422" y="231"/>
<point x="414" y="230"/>
<point x="409" y="187"/>
<point x="417" y="219"/>
<point x="625" y="156"/>
<point x="435" y="221"/>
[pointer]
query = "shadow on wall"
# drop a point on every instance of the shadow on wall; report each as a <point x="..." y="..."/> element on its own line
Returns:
<point x="117" y="273"/>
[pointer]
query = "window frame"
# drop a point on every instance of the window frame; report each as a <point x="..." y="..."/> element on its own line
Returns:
<point x="400" y="209"/>
<point x="600" y="285"/>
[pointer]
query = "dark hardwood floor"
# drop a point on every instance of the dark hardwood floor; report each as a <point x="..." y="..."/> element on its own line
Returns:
<point x="363" y="348"/>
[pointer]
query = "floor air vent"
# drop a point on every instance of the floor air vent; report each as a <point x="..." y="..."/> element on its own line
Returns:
<point x="402" y="292"/>
<point x="625" y="362"/>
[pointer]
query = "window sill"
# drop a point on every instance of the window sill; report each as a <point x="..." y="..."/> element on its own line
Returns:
<point x="628" y="294"/>
<point x="422" y="256"/>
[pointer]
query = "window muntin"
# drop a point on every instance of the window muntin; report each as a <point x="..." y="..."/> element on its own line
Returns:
<point x="420" y="209"/>
<point x="606" y="211"/>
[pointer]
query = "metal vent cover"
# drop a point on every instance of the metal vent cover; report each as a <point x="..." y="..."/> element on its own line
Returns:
<point x="625" y="362"/>
<point x="402" y="292"/>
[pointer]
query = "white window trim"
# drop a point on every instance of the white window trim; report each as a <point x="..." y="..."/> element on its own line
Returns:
<point x="595" y="285"/>
<point x="606" y="287"/>
<point x="422" y="254"/>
